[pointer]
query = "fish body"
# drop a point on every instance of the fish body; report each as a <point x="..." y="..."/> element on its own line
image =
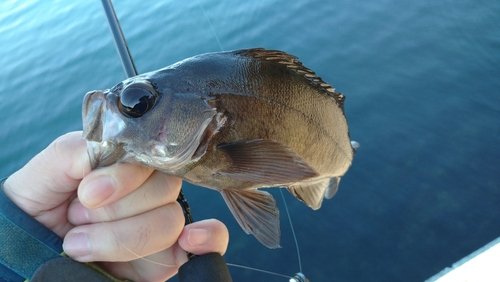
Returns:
<point x="230" y="121"/>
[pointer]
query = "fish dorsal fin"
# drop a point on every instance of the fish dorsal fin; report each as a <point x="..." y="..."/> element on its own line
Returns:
<point x="257" y="214"/>
<point x="332" y="188"/>
<point x="293" y="63"/>
<point x="310" y="192"/>
<point x="266" y="162"/>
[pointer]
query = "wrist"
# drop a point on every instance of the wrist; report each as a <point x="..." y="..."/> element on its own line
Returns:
<point x="6" y="187"/>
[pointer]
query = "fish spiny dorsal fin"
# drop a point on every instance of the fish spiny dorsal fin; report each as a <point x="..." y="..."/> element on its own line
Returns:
<point x="293" y="63"/>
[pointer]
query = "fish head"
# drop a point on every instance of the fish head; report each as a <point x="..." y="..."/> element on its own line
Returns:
<point x="144" y="121"/>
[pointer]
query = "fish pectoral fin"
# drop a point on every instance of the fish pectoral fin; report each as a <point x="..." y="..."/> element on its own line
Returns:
<point x="257" y="214"/>
<point x="265" y="161"/>
<point x="310" y="192"/>
<point x="332" y="188"/>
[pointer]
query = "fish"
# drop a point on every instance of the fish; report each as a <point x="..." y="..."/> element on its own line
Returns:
<point x="233" y="122"/>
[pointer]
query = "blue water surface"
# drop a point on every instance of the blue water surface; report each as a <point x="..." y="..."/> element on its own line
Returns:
<point x="422" y="87"/>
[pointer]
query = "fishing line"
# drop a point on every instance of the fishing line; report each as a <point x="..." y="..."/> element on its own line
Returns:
<point x="211" y="26"/>
<point x="281" y="191"/>
<point x="293" y="230"/>
<point x="123" y="245"/>
<point x="259" y="270"/>
<point x="130" y="71"/>
<point x="116" y="236"/>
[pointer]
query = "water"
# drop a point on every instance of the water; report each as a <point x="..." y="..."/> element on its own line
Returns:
<point x="422" y="81"/>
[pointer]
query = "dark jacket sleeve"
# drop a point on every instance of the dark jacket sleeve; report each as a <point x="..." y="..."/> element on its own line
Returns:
<point x="26" y="243"/>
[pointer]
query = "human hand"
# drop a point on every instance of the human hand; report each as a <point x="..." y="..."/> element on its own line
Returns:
<point x="124" y="216"/>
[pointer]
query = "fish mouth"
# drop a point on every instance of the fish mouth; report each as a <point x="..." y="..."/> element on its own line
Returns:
<point x="106" y="153"/>
<point x="92" y="115"/>
<point x="101" y="152"/>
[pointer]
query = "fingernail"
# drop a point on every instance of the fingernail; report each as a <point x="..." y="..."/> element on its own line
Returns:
<point x="198" y="237"/>
<point x="99" y="190"/>
<point x="77" y="245"/>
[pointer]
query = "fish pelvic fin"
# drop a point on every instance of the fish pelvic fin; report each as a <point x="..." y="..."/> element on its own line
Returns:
<point x="312" y="192"/>
<point x="332" y="188"/>
<point x="257" y="214"/>
<point x="266" y="162"/>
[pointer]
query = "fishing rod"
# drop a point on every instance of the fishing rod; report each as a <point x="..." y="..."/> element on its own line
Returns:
<point x="205" y="268"/>
<point x="209" y="267"/>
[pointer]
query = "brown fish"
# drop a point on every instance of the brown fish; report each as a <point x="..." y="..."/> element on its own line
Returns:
<point x="229" y="121"/>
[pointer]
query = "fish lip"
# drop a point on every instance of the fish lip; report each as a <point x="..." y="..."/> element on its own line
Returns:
<point x="101" y="152"/>
<point x="92" y="129"/>
<point x="92" y="115"/>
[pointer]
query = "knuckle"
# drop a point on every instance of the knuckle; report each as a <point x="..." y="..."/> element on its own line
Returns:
<point x="173" y="218"/>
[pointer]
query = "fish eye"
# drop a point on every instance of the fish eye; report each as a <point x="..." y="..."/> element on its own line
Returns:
<point x="137" y="99"/>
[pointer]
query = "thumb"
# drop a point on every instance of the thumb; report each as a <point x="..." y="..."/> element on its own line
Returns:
<point x="51" y="177"/>
<point x="206" y="236"/>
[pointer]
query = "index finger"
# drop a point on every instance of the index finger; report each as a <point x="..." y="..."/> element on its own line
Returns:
<point x="158" y="190"/>
<point x="108" y="184"/>
<point x="51" y="176"/>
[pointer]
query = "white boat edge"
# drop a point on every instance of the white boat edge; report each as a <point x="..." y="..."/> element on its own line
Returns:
<point x="481" y="265"/>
